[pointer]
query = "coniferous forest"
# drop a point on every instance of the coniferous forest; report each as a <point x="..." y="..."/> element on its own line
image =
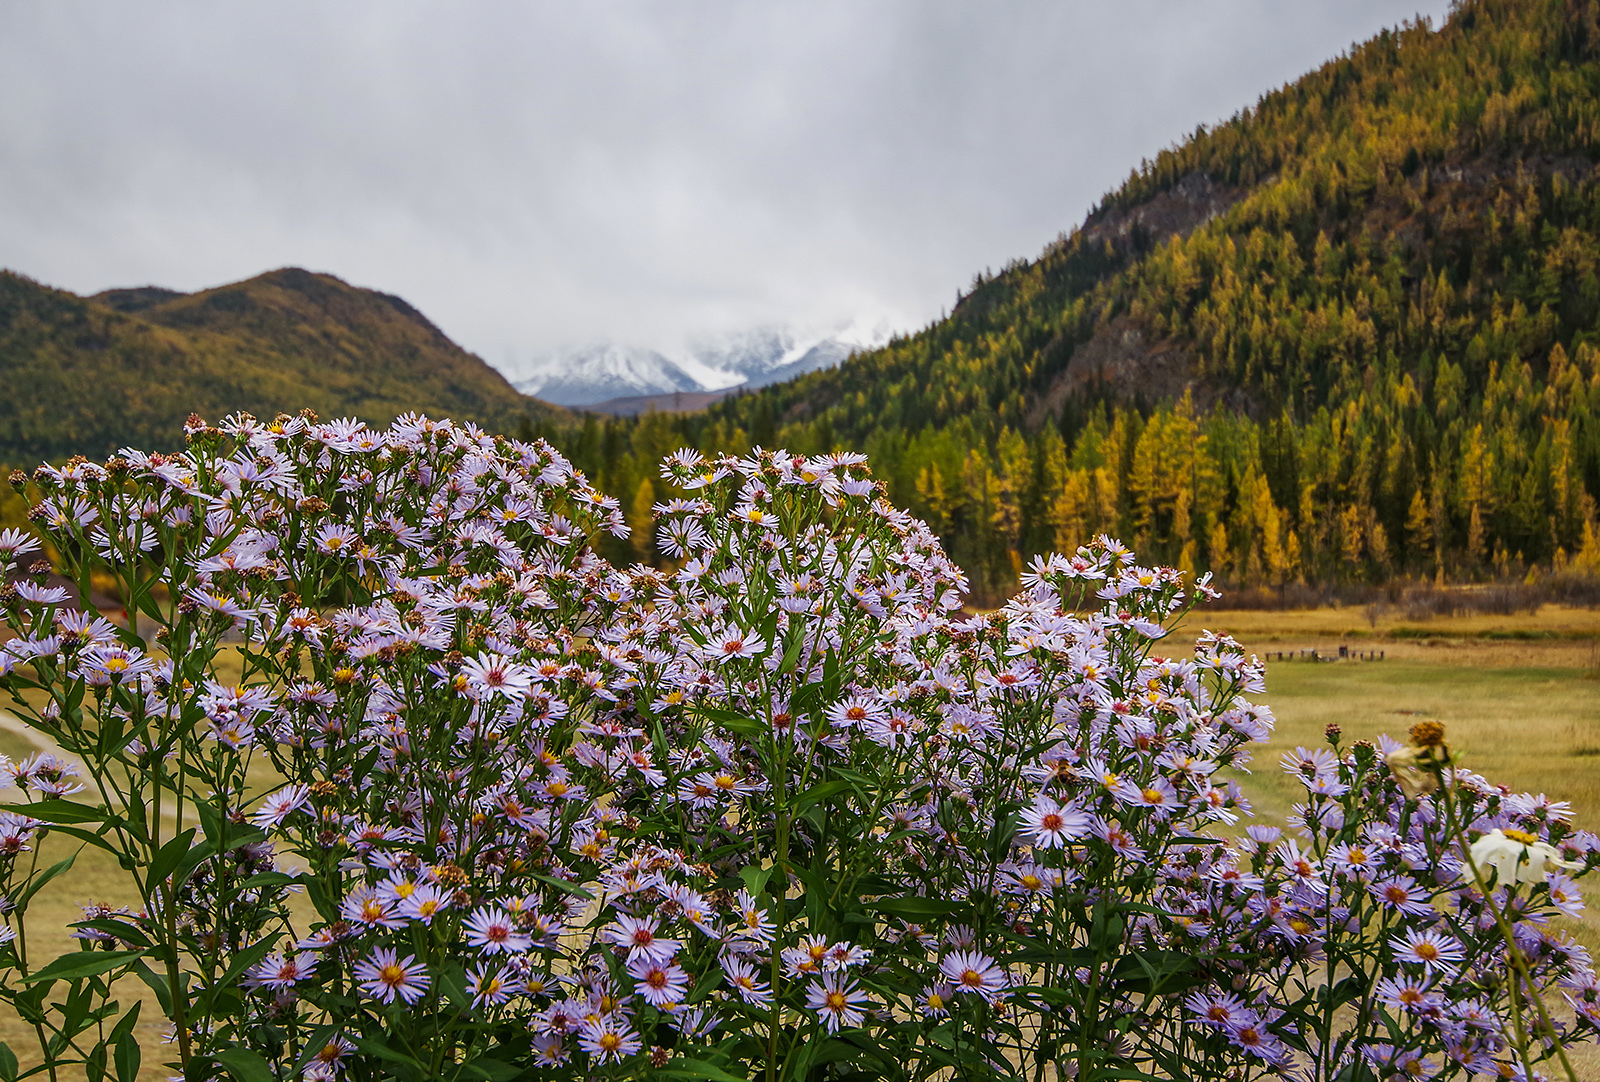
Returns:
<point x="1350" y="335"/>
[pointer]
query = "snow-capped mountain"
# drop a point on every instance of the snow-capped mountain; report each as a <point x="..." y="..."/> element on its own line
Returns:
<point x="594" y="375"/>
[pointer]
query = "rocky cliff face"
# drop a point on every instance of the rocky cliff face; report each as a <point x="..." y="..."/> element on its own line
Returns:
<point x="1176" y="212"/>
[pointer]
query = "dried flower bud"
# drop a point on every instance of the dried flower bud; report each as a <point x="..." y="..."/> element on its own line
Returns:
<point x="1332" y="733"/>
<point x="450" y="875"/>
<point x="1427" y="734"/>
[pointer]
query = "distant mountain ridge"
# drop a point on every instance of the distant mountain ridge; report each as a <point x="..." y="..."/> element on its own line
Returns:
<point x="594" y="375"/>
<point x="89" y="374"/>
<point x="1350" y="334"/>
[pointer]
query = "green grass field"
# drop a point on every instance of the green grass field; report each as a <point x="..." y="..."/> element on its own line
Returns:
<point x="1525" y="712"/>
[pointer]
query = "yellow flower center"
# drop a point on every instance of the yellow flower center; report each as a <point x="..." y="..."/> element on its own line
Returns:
<point x="1520" y="836"/>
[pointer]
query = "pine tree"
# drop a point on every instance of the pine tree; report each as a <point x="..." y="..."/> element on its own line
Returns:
<point x="935" y="501"/>
<point x="641" y="520"/>
<point x="1419" y="530"/>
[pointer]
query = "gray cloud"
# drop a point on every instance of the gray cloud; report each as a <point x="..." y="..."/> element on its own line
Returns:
<point x="537" y="174"/>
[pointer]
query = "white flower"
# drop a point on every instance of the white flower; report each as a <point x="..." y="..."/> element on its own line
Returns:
<point x="1517" y="856"/>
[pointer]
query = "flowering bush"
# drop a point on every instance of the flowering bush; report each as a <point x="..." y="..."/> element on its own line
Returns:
<point x="410" y="783"/>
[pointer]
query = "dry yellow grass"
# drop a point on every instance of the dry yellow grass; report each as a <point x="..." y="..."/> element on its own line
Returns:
<point x="1353" y="622"/>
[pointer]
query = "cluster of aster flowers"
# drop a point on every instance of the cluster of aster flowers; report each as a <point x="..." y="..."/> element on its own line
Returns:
<point x="1385" y="915"/>
<point x="408" y="777"/>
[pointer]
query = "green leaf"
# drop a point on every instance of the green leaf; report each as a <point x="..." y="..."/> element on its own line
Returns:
<point x="8" y="1064"/>
<point x="119" y="928"/>
<point x="818" y="793"/>
<point x="729" y="719"/>
<point x="125" y="1024"/>
<point x="791" y="655"/>
<point x="210" y="822"/>
<point x="87" y="837"/>
<point x="915" y="909"/>
<point x="245" y="1065"/>
<point x="56" y="810"/>
<point x="491" y="1069"/>
<point x="704" y="986"/>
<point x="167" y="857"/>
<point x="126" y="1058"/>
<point x="48" y="874"/>
<point x="755" y="879"/>
<point x="327" y="907"/>
<point x="94" y="1064"/>
<point x="245" y="960"/>
<point x="268" y="879"/>
<point x="382" y="1050"/>
<point x="189" y="860"/>
<point x="694" y="1068"/>
<point x="70" y="967"/>
<point x="157" y="984"/>
<point x="872" y="885"/>
<point x="563" y="885"/>
<point x="452" y="983"/>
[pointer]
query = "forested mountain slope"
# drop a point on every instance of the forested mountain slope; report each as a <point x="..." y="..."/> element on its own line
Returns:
<point x="86" y="375"/>
<point x="1348" y="334"/>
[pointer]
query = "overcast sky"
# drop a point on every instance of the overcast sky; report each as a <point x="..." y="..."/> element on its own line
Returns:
<point x="535" y="175"/>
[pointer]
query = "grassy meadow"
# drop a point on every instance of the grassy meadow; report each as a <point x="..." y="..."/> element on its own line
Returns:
<point x="1519" y="695"/>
